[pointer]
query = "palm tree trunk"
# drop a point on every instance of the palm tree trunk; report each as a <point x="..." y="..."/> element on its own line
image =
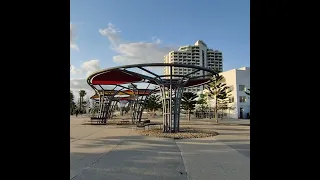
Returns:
<point x="222" y="114"/>
<point x="80" y="104"/>
<point x="216" y="110"/>
<point x="188" y="115"/>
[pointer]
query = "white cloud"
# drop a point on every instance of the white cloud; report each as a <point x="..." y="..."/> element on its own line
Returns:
<point x="156" y="40"/>
<point x="127" y="53"/>
<point x="73" y="70"/>
<point x="73" y="45"/>
<point x="90" y="66"/>
<point x="86" y="68"/>
<point x="111" y="32"/>
<point x="134" y="52"/>
<point x="80" y="84"/>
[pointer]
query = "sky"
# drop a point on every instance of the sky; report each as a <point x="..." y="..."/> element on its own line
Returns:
<point x="107" y="33"/>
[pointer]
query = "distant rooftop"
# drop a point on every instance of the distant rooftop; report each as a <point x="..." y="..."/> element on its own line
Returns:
<point x="244" y="68"/>
<point x="200" y="42"/>
<point x="197" y="43"/>
<point x="241" y="69"/>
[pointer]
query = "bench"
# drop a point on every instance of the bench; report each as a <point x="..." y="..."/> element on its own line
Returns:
<point x="123" y="122"/>
<point x="96" y="119"/>
<point x="142" y="123"/>
<point x="152" y="124"/>
<point x="148" y="123"/>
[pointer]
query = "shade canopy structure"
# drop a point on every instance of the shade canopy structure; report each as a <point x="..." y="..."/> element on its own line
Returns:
<point x="134" y="97"/>
<point x="128" y="98"/>
<point x="139" y="92"/>
<point x="122" y="80"/>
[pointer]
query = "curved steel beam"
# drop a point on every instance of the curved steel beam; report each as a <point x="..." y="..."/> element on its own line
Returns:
<point x="148" y="65"/>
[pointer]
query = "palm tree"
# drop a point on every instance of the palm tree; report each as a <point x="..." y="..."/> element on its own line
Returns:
<point x="72" y="104"/>
<point x="217" y="70"/>
<point x="248" y="92"/>
<point x="153" y="103"/>
<point x="223" y="102"/>
<point x="188" y="102"/>
<point x="82" y="93"/>
<point x="217" y="90"/>
<point x="202" y="102"/>
<point x="71" y="96"/>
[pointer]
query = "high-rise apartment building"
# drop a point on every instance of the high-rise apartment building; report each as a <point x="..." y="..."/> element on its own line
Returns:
<point x="199" y="55"/>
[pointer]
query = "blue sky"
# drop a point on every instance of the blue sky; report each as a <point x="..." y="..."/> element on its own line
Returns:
<point x="114" y="32"/>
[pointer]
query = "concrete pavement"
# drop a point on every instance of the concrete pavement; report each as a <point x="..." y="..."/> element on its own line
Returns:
<point x="116" y="152"/>
<point x="209" y="158"/>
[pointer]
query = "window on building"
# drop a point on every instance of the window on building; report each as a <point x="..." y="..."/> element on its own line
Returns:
<point x="231" y="99"/>
<point x="242" y="87"/>
<point x="242" y="98"/>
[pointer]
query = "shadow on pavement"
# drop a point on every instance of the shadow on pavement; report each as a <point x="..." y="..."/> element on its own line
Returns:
<point x="136" y="157"/>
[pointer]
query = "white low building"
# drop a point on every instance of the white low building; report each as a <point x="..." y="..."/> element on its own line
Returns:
<point x="238" y="80"/>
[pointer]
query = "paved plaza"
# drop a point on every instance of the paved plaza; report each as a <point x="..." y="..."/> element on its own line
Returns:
<point x="119" y="153"/>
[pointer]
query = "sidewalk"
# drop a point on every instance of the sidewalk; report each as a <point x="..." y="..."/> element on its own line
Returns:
<point x="209" y="158"/>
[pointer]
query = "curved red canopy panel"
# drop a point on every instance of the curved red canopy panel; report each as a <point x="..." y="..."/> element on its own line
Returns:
<point x="114" y="77"/>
